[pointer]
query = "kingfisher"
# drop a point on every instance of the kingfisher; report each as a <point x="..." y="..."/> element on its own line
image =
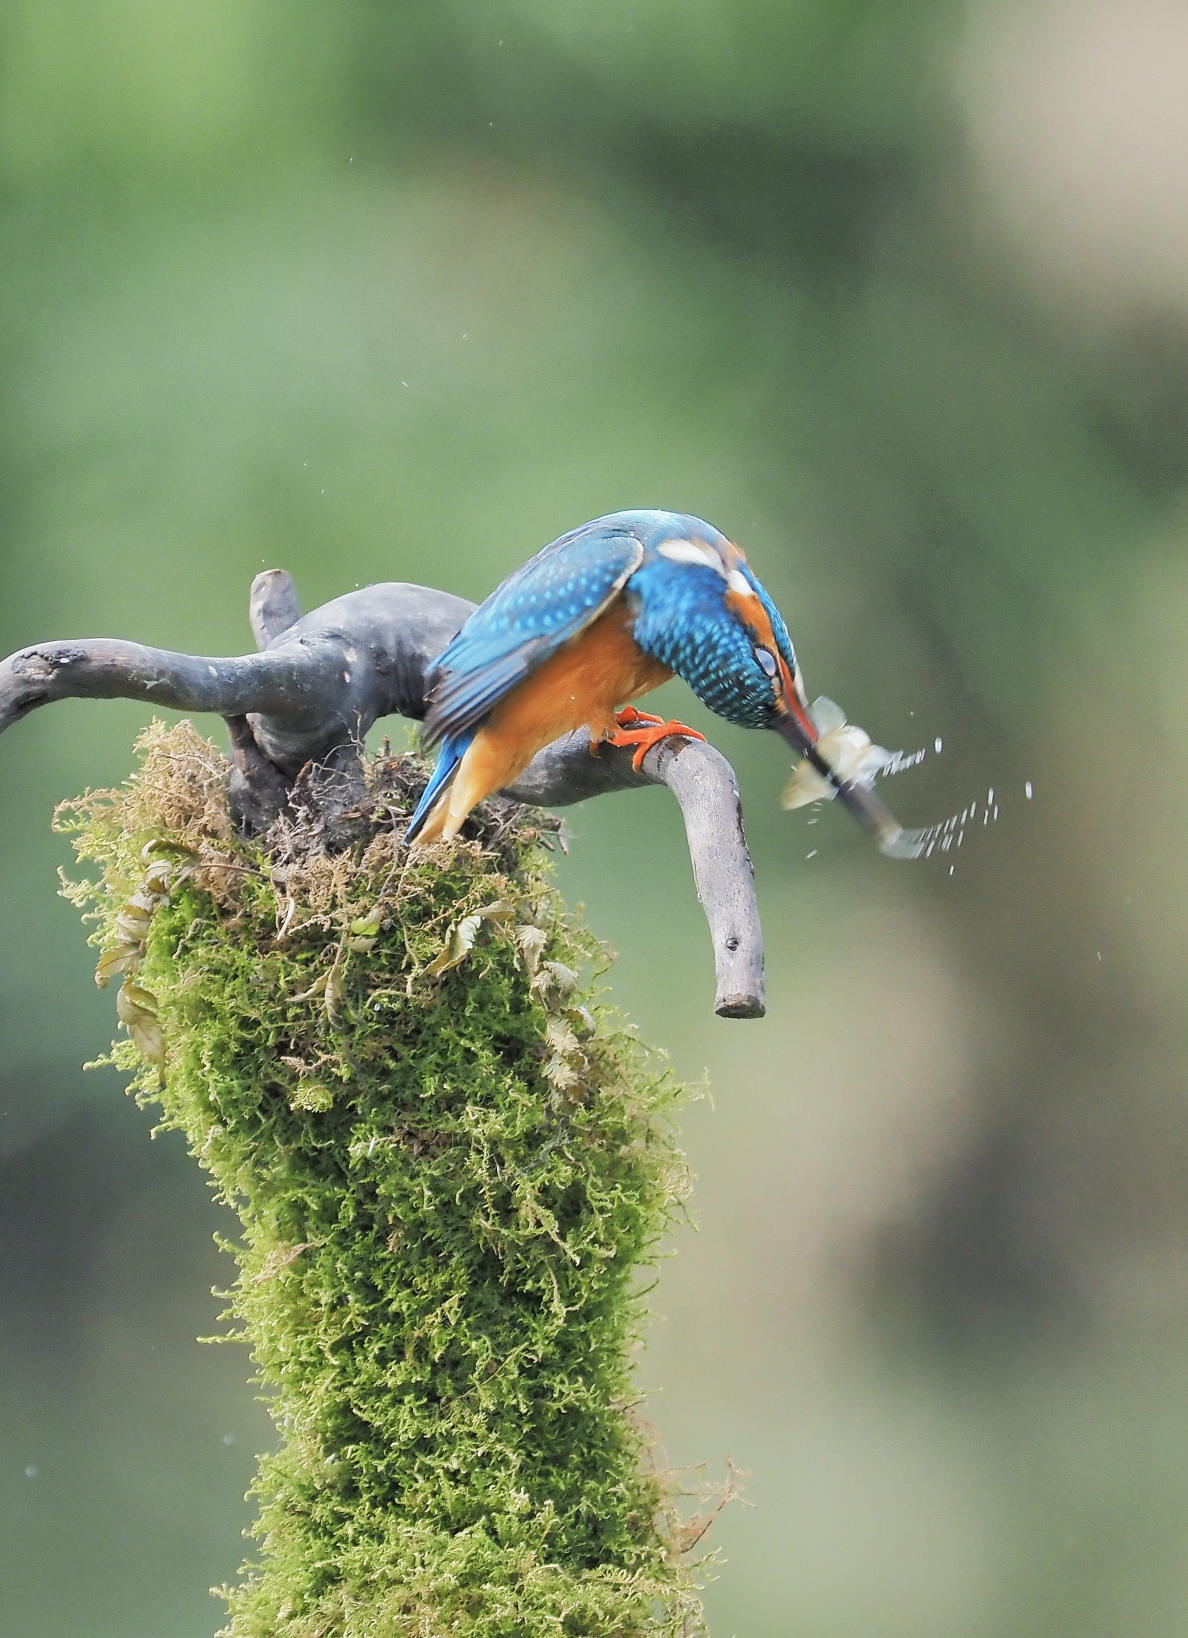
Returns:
<point x="594" y="621"/>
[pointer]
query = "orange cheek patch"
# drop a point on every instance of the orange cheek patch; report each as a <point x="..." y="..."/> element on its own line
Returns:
<point x="751" y="613"/>
<point x="755" y="618"/>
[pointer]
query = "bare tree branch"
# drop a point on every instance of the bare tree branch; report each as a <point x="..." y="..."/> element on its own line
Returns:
<point x="273" y="605"/>
<point x="321" y="681"/>
<point x="703" y="783"/>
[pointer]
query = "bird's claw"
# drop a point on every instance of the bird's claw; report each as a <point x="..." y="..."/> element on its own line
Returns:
<point x="641" y="729"/>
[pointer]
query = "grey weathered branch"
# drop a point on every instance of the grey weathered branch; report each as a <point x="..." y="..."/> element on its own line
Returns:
<point x="320" y="682"/>
<point x="703" y="783"/>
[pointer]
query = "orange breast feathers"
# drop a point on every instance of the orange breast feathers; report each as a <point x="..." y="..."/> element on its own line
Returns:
<point x="579" y="686"/>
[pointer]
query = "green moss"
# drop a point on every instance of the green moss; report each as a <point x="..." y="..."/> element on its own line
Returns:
<point x="448" y="1173"/>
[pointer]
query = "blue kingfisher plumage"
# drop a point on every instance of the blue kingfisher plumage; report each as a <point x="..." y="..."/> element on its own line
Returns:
<point x="592" y="622"/>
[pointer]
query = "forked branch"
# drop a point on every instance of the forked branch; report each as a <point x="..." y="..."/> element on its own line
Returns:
<point x="320" y="681"/>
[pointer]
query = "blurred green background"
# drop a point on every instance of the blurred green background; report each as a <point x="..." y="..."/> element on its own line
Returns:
<point x="897" y="295"/>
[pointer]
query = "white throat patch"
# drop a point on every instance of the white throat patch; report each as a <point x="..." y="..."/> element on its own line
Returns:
<point x="687" y="551"/>
<point x="702" y="556"/>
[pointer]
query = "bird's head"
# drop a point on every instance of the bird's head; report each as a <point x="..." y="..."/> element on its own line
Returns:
<point x="703" y="612"/>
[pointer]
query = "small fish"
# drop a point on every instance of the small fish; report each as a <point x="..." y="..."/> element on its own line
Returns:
<point x="848" y="751"/>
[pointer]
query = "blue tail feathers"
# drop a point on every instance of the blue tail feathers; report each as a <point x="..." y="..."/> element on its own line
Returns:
<point x="453" y="748"/>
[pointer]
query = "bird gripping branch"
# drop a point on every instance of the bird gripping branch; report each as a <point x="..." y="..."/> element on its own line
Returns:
<point x="597" y="619"/>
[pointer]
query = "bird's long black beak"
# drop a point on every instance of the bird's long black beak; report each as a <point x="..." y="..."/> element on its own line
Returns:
<point x="876" y="819"/>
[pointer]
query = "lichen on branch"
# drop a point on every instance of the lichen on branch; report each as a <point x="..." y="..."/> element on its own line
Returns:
<point x="450" y="1161"/>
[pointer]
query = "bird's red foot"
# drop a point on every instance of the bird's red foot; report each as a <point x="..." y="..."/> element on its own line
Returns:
<point x="641" y="729"/>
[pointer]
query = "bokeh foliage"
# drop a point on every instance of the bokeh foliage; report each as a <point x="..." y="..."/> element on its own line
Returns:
<point x="396" y="291"/>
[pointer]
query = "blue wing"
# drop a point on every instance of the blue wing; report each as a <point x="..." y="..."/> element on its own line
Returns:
<point x="453" y="749"/>
<point x="545" y="603"/>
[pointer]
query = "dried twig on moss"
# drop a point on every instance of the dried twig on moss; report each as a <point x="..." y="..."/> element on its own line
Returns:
<point x="448" y="1176"/>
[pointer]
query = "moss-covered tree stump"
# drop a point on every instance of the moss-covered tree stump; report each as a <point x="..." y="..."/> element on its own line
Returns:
<point x="449" y="1164"/>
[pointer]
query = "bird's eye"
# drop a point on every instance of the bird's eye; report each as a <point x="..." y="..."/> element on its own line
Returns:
<point x="767" y="660"/>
